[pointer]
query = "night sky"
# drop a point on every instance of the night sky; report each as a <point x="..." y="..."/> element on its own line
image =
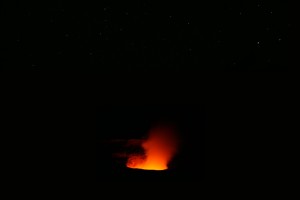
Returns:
<point x="124" y="55"/>
<point x="143" y="36"/>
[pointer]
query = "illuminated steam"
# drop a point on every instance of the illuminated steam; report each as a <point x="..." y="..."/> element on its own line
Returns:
<point x="159" y="148"/>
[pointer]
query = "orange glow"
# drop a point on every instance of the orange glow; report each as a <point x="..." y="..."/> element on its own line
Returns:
<point x="159" y="148"/>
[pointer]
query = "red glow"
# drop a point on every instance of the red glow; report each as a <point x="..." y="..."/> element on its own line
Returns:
<point x="159" y="149"/>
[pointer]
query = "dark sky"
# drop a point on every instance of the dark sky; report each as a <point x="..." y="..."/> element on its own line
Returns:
<point x="74" y="111"/>
<point x="211" y="35"/>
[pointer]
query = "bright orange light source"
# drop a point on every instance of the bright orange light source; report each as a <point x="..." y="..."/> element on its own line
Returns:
<point x="159" y="149"/>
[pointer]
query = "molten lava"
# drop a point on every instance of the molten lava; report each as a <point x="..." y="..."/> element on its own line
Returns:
<point x="159" y="148"/>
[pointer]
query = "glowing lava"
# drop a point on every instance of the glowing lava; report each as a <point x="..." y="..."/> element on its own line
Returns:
<point x="159" y="148"/>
